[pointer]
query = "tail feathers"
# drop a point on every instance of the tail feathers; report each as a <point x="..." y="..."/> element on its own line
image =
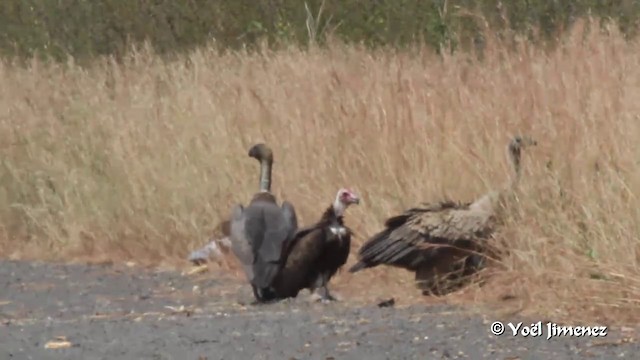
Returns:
<point x="357" y="267"/>
<point x="369" y="251"/>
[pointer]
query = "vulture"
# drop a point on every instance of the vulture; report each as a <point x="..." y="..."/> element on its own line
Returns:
<point x="435" y="239"/>
<point x="259" y="231"/>
<point x="317" y="251"/>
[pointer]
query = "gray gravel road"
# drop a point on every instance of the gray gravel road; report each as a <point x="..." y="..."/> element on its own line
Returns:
<point x="103" y="312"/>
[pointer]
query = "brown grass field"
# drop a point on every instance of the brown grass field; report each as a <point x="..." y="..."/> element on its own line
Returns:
<point x="139" y="161"/>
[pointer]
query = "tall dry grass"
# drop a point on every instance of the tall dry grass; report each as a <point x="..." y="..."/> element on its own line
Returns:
<point x="141" y="160"/>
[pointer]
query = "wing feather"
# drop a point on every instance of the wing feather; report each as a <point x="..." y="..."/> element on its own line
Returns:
<point x="412" y="237"/>
<point x="290" y="218"/>
<point x="267" y="227"/>
<point x="240" y="244"/>
<point x="305" y="250"/>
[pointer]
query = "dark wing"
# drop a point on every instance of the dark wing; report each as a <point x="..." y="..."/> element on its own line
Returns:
<point x="299" y="234"/>
<point x="402" y="242"/>
<point x="344" y="249"/>
<point x="300" y="267"/>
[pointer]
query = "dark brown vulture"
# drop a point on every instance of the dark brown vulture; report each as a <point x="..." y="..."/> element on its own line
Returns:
<point x="317" y="251"/>
<point x="433" y="240"/>
<point x="259" y="231"/>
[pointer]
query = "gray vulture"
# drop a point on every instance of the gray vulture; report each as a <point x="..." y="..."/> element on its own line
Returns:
<point x="318" y="251"/>
<point x="436" y="239"/>
<point x="260" y="230"/>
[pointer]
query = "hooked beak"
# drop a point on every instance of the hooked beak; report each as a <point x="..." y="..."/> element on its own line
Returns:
<point x="355" y="200"/>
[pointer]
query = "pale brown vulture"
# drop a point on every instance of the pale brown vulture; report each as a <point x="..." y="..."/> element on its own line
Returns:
<point x="317" y="251"/>
<point x="259" y="231"/>
<point x="434" y="239"/>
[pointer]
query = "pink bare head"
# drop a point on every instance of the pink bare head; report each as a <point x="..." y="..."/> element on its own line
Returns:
<point x="344" y="198"/>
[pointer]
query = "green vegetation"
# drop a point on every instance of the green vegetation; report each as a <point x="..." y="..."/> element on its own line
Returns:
<point x="85" y="28"/>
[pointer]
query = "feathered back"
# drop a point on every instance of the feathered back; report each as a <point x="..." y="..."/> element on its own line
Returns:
<point x="411" y="238"/>
<point x="263" y="197"/>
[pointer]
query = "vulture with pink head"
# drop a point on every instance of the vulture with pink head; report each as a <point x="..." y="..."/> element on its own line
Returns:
<point x="317" y="252"/>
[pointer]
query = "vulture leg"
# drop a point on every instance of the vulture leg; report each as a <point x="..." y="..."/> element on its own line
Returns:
<point x="321" y="289"/>
<point x="425" y="279"/>
<point x="439" y="276"/>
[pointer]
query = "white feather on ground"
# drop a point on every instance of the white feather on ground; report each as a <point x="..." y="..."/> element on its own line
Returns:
<point x="212" y="250"/>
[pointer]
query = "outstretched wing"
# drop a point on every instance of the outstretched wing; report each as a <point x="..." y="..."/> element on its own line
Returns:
<point x="290" y="218"/>
<point x="240" y="243"/>
<point x="268" y="227"/>
<point x="415" y="236"/>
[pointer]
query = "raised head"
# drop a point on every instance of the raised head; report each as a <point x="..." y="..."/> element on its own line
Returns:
<point x="514" y="152"/>
<point x="515" y="147"/>
<point x="344" y="198"/>
<point x="487" y="203"/>
<point x="519" y="142"/>
<point x="264" y="155"/>
<point x="261" y="152"/>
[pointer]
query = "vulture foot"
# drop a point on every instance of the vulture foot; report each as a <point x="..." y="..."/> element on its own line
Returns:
<point x="322" y="295"/>
<point x="315" y="297"/>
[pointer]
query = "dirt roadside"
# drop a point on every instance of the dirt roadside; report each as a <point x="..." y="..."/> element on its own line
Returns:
<point x="109" y="312"/>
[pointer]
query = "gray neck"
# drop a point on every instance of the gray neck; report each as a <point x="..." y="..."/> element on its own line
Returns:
<point x="265" y="176"/>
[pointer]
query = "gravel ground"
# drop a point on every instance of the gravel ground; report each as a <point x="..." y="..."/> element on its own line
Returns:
<point x="105" y="312"/>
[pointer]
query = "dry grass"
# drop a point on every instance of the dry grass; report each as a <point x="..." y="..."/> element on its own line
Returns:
<point x="141" y="160"/>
